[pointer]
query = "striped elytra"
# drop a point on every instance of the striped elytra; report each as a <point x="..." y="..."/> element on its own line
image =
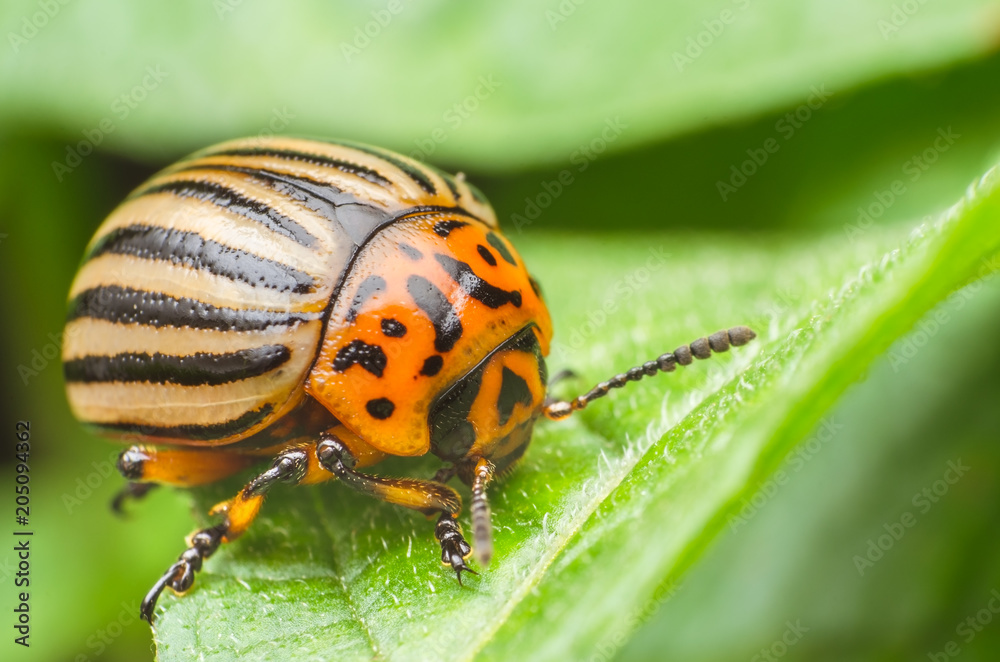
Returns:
<point x="259" y="273"/>
<point x="322" y="305"/>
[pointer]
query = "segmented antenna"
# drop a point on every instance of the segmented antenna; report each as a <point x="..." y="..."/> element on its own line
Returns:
<point x="482" y="534"/>
<point x="701" y="348"/>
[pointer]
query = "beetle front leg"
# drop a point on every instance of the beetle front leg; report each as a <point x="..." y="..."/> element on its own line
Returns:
<point x="145" y="467"/>
<point x="240" y="511"/>
<point x="426" y="496"/>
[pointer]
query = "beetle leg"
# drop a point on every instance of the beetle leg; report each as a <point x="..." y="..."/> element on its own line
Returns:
<point x="289" y="467"/>
<point x="179" y="466"/>
<point x="133" y="491"/>
<point x="425" y="496"/>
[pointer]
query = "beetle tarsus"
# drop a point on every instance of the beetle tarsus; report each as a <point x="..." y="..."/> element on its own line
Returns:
<point x="454" y="549"/>
<point x="180" y="576"/>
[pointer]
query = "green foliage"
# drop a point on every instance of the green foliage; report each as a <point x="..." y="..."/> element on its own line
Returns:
<point x="625" y="498"/>
<point x="555" y="72"/>
<point x="637" y="484"/>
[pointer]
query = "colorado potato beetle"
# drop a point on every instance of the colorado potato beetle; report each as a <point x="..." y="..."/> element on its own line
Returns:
<point x="324" y="305"/>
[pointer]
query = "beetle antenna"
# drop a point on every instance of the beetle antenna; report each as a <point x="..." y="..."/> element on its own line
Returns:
<point x="701" y="348"/>
<point x="482" y="530"/>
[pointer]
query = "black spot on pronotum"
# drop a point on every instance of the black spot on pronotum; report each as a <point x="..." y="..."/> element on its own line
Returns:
<point x="513" y="390"/>
<point x="496" y="242"/>
<point x="486" y="255"/>
<point x="444" y="228"/>
<point x="393" y="328"/>
<point x="368" y="288"/>
<point x="535" y="287"/>
<point x="380" y="408"/>
<point x="477" y="288"/>
<point x="432" y="366"/>
<point x="431" y="300"/>
<point x="369" y="357"/>
<point x="410" y="251"/>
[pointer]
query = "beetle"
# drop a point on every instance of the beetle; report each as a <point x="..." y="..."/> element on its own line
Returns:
<point x="324" y="305"/>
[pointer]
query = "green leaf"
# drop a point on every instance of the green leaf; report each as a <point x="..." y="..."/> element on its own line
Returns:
<point x="622" y="498"/>
<point x="490" y="86"/>
<point x="798" y="549"/>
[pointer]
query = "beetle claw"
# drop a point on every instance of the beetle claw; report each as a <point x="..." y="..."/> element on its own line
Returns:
<point x="454" y="548"/>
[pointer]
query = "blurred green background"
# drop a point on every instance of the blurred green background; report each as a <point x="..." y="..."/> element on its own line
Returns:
<point x="652" y="108"/>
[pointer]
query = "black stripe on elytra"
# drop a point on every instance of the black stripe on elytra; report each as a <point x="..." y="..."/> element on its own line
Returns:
<point x="411" y="171"/>
<point x="477" y="288"/>
<point x="513" y="390"/>
<point x="227" y="198"/>
<point x="355" y="169"/>
<point x="448" y="179"/>
<point x="431" y="300"/>
<point x="193" y="370"/>
<point x="496" y="242"/>
<point x="194" y="432"/>
<point x="369" y="357"/>
<point x="192" y="250"/>
<point x="444" y="228"/>
<point x="358" y="219"/>
<point x="125" y="305"/>
<point x="368" y="288"/>
<point x="477" y="194"/>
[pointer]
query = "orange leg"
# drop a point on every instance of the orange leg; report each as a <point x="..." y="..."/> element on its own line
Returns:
<point x="183" y="467"/>
<point x="336" y="455"/>
<point x="145" y="467"/>
<point x="295" y="463"/>
<point x="290" y="466"/>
